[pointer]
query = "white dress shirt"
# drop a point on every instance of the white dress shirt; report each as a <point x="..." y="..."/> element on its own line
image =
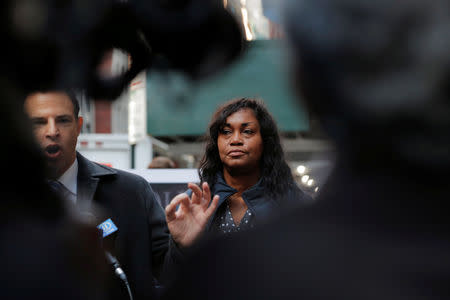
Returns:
<point x="69" y="180"/>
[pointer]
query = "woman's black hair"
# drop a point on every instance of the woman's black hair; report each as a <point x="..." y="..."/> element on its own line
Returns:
<point x="276" y="175"/>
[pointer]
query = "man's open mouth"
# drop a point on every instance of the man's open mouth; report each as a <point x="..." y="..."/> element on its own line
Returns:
<point x="52" y="149"/>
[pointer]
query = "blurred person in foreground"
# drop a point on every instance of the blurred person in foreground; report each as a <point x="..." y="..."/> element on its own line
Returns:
<point x="377" y="74"/>
<point x="162" y="162"/>
<point x="244" y="165"/>
<point x="143" y="244"/>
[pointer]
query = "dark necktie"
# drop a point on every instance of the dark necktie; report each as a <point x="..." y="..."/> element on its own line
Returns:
<point x="60" y="189"/>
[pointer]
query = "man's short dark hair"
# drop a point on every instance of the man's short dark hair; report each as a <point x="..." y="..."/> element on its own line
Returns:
<point x="76" y="105"/>
<point x="72" y="94"/>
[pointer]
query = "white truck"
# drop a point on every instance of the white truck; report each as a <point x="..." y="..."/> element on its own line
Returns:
<point x="114" y="150"/>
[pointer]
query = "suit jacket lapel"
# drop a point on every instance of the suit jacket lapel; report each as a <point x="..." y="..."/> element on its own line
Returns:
<point x="86" y="190"/>
<point x="89" y="175"/>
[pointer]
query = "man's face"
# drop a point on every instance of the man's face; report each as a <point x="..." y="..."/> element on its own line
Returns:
<point x="55" y="127"/>
<point x="240" y="143"/>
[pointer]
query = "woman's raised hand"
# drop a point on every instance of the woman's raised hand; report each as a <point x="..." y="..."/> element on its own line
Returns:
<point x="188" y="221"/>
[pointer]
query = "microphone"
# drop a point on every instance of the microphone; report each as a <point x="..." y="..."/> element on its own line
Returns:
<point x="117" y="268"/>
<point x="108" y="228"/>
<point x="119" y="272"/>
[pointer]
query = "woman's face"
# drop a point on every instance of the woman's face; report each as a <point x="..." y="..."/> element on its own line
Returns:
<point x="239" y="141"/>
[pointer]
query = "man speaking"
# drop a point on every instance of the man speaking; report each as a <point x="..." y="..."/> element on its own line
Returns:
<point x="143" y="244"/>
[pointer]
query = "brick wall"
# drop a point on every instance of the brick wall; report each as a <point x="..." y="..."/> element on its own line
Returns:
<point x="103" y="107"/>
<point x="102" y="116"/>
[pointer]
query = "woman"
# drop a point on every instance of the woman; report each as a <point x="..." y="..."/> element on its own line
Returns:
<point x="244" y="165"/>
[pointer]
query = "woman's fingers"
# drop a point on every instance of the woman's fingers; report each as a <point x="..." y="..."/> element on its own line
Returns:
<point x="185" y="205"/>
<point x="206" y="194"/>
<point x="197" y="193"/>
<point x="210" y="210"/>
<point x="171" y="209"/>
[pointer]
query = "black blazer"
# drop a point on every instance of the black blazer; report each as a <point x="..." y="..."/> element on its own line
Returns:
<point x="142" y="244"/>
<point x="258" y="201"/>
